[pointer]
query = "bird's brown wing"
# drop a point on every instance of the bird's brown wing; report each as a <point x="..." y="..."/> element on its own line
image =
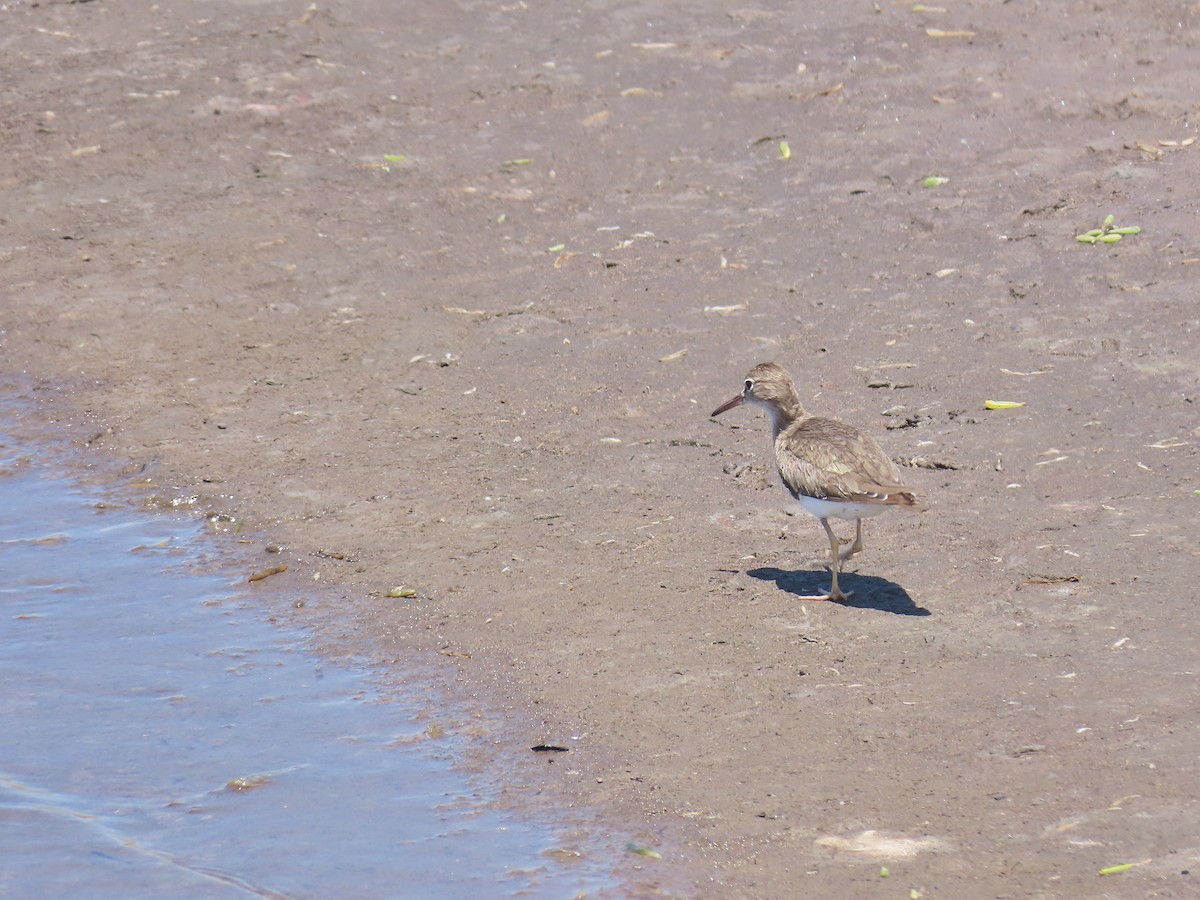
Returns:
<point x="830" y="460"/>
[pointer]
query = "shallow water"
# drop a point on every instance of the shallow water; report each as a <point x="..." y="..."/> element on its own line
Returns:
<point x="137" y="690"/>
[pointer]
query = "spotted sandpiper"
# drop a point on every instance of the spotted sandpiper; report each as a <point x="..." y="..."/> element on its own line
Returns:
<point x="831" y="468"/>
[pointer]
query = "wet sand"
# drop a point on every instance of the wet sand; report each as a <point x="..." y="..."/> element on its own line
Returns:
<point x="165" y="736"/>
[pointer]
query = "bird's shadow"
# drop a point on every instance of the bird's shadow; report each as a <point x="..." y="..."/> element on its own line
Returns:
<point x="870" y="591"/>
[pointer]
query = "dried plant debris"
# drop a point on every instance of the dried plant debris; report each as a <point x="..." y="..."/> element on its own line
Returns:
<point x="267" y="573"/>
<point x="927" y="462"/>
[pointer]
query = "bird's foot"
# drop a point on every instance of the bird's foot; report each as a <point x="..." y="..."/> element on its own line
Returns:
<point x="834" y="595"/>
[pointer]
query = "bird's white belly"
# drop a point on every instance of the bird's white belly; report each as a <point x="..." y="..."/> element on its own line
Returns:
<point x="836" y="509"/>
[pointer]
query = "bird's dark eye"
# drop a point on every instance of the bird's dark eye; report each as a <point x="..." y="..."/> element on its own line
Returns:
<point x="749" y="384"/>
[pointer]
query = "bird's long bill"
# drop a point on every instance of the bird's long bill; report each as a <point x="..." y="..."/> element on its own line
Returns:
<point x="725" y="407"/>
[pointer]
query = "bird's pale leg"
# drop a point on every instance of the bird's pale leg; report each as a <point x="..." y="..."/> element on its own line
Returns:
<point x="834" y="593"/>
<point x="857" y="546"/>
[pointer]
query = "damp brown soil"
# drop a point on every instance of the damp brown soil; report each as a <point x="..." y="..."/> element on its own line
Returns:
<point x="167" y="735"/>
<point x="439" y="296"/>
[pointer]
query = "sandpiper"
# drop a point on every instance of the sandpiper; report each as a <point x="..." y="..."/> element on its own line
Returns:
<point x="831" y="468"/>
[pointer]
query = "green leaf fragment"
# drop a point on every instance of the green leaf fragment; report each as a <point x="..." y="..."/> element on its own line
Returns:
<point x="884" y="873"/>
<point x="1115" y="870"/>
<point x="934" y="181"/>
<point x="785" y="152"/>
<point x="643" y="851"/>
<point x="1002" y="404"/>
<point x="557" y="248"/>
<point x="394" y="158"/>
<point x="517" y="162"/>
<point x="1107" y="234"/>
<point x="400" y="592"/>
